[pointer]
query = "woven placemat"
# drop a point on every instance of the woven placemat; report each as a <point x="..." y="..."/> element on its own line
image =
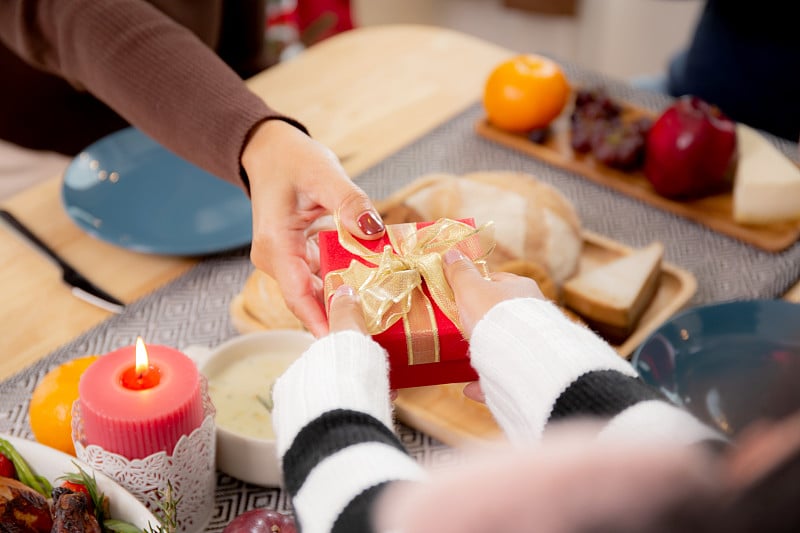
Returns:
<point x="194" y="308"/>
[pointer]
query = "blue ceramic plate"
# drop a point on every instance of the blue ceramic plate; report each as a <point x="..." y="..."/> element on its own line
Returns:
<point x="727" y="363"/>
<point x="128" y="190"/>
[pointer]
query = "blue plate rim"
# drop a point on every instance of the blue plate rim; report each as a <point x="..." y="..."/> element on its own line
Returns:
<point x="174" y="249"/>
<point x="698" y="308"/>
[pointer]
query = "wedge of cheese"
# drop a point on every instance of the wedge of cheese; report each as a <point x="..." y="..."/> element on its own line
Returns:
<point x="614" y="296"/>
<point x="767" y="184"/>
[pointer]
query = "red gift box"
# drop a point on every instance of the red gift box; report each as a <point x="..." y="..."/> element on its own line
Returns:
<point x="453" y="364"/>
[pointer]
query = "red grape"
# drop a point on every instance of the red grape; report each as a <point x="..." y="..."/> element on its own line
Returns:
<point x="261" y="521"/>
<point x="596" y="126"/>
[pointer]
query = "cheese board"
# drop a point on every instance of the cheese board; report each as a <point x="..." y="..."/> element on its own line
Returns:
<point x="714" y="212"/>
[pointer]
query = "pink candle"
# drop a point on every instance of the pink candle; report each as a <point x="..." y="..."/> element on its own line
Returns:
<point x="137" y="406"/>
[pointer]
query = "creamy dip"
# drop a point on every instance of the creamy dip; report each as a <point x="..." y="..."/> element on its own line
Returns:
<point x="235" y="392"/>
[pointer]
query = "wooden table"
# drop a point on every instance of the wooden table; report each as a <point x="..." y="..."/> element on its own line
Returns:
<point x="365" y="93"/>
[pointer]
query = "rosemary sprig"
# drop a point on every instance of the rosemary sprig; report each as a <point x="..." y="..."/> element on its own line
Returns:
<point x="81" y="477"/>
<point x="169" y="512"/>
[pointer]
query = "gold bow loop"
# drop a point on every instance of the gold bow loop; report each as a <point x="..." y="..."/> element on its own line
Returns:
<point x="391" y="289"/>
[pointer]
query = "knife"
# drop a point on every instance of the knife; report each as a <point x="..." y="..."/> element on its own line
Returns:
<point x="81" y="287"/>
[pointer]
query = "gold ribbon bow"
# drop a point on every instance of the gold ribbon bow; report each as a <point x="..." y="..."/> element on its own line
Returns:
<point x="392" y="289"/>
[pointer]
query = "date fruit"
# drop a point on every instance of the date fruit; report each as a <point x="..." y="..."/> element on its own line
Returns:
<point x="691" y="150"/>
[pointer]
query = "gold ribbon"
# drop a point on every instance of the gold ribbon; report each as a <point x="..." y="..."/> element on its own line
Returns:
<point x="392" y="288"/>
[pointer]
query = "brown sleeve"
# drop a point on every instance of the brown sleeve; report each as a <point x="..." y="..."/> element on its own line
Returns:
<point x="152" y="71"/>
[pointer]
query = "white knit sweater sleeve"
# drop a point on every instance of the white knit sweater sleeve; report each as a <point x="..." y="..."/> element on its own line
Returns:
<point x="335" y="438"/>
<point x="536" y="366"/>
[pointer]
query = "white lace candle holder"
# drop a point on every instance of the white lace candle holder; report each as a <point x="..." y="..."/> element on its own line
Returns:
<point x="189" y="471"/>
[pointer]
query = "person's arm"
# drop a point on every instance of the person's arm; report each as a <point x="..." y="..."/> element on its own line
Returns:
<point x="165" y="81"/>
<point x="152" y="71"/>
<point x="536" y="366"/>
<point x="335" y="438"/>
<point x="552" y="369"/>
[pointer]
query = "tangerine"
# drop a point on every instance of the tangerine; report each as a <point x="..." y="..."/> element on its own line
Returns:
<point x="50" y="409"/>
<point x="525" y="93"/>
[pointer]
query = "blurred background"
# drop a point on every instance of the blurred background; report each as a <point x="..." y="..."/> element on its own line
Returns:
<point x="621" y="38"/>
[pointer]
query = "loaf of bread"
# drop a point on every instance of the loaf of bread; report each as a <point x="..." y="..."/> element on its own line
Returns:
<point x="534" y="222"/>
<point x="260" y="303"/>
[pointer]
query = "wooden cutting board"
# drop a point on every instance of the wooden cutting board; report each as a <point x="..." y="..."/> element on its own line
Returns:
<point x="715" y="212"/>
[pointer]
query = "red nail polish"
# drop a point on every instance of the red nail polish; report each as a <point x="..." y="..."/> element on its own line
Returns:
<point x="370" y="223"/>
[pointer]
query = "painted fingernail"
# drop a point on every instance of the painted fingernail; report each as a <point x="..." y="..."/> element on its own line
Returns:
<point x="344" y="290"/>
<point x="452" y="255"/>
<point x="370" y="223"/>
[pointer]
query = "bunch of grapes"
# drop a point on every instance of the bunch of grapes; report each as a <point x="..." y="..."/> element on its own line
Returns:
<point x="596" y="126"/>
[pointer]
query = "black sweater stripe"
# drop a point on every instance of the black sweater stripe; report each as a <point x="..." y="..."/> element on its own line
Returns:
<point x="603" y="393"/>
<point x="327" y="434"/>
<point x="357" y="516"/>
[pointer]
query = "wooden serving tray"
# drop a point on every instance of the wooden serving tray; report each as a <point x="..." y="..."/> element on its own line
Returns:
<point x="715" y="212"/>
<point x="443" y="412"/>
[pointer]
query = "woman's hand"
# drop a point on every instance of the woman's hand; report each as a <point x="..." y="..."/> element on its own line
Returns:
<point x="345" y="314"/>
<point x="345" y="311"/>
<point x="476" y="295"/>
<point x="295" y="182"/>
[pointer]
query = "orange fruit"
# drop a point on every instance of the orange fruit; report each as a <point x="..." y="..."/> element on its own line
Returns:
<point x="524" y="93"/>
<point x="50" y="410"/>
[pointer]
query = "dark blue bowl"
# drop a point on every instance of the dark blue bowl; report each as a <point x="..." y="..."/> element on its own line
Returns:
<point x="728" y="363"/>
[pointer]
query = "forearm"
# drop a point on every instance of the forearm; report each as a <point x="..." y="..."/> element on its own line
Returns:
<point x="152" y="71"/>
<point x="536" y="366"/>
<point x="333" y="421"/>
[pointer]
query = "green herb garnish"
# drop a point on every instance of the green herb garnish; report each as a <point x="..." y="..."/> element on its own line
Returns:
<point x="98" y="498"/>
<point x="25" y="473"/>
<point x="168" y="521"/>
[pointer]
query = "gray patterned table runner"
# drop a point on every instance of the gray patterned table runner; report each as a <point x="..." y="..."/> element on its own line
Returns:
<point x="194" y="308"/>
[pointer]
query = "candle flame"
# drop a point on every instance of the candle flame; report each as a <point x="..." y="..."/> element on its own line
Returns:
<point x="142" y="361"/>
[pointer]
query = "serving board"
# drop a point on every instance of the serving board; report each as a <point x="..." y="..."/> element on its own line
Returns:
<point x="715" y="212"/>
<point x="443" y="412"/>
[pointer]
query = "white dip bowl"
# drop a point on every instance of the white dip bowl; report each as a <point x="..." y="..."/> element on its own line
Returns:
<point x="239" y="371"/>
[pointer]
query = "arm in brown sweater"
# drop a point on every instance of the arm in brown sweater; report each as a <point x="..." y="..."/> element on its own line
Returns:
<point x="152" y="71"/>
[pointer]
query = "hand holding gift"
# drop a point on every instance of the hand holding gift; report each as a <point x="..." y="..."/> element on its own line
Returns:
<point x="407" y="303"/>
